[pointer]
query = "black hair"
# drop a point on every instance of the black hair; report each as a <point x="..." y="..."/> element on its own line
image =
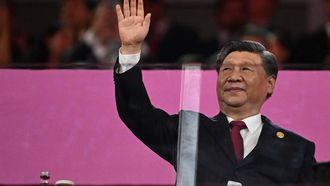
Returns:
<point x="268" y="59"/>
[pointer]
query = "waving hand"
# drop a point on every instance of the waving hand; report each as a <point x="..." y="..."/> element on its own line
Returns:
<point x="133" y="26"/>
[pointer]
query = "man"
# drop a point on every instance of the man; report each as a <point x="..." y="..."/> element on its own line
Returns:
<point x="247" y="75"/>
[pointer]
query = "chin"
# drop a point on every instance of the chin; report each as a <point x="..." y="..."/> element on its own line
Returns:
<point x="234" y="102"/>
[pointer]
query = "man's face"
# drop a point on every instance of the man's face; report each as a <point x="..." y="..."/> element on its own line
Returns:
<point x="243" y="84"/>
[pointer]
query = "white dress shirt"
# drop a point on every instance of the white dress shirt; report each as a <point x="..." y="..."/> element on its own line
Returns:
<point x="254" y="124"/>
<point x="251" y="134"/>
<point x="250" y="137"/>
<point x="127" y="61"/>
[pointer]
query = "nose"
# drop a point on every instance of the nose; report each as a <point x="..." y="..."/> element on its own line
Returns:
<point x="235" y="76"/>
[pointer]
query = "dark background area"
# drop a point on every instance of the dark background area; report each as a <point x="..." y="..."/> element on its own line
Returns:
<point x="35" y="16"/>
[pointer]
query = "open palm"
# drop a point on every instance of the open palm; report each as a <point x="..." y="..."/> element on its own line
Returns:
<point x="133" y="26"/>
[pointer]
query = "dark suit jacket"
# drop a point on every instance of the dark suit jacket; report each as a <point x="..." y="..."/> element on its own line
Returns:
<point x="274" y="160"/>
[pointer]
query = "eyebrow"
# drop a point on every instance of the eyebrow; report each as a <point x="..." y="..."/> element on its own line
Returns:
<point x="240" y="64"/>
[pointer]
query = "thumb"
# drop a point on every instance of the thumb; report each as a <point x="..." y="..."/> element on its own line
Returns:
<point x="147" y="20"/>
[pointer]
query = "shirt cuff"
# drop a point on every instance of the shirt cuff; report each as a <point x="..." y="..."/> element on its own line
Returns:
<point x="127" y="61"/>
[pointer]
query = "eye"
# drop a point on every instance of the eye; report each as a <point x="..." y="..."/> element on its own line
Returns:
<point x="247" y="68"/>
<point x="225" y="68"/>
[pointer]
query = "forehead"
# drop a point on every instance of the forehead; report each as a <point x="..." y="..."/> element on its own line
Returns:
<point x="243" y="57"/>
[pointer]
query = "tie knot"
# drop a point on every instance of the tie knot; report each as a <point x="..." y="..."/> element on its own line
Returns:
<point x="238" y="124"/>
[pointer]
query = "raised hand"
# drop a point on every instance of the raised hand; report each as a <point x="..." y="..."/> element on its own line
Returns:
<point x="133" y="26"/>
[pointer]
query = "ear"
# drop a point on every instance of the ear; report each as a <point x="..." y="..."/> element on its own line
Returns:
<point x="271" y="80"/>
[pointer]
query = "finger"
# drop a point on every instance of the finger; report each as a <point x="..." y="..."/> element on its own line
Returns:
<point x="146" y="22"/>
<point x="140" y="8"/>
<point x="120" y="15"/>
<point x="127" y="12"/>
<point x="133" y="7"/>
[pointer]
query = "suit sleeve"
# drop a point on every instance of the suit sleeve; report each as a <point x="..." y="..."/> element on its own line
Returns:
<point x="154" y="127"/>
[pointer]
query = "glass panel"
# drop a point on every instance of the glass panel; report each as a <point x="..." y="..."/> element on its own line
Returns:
<point x="188" y="125"/>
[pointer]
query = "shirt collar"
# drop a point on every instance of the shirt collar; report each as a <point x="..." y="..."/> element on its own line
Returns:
<point x="252" y="122"/>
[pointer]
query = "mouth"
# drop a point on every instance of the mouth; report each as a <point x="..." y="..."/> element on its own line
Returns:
<point x="234" y="89"/>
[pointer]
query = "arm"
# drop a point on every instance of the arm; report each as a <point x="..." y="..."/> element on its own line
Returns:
<point x="133" y="28"/>
<point x="152" y="126"/>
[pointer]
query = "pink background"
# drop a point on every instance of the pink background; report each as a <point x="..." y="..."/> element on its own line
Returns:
<point x="65" y="121"/>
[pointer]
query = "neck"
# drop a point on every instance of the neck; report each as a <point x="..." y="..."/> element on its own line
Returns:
<point x="238" y="113"/>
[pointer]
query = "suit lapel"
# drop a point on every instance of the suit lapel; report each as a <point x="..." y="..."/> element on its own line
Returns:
<point x="221" y="133"/>
<point x="268" y="133"/>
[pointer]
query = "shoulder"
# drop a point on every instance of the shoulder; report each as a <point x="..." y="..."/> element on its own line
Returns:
<point x="283" y="133"/>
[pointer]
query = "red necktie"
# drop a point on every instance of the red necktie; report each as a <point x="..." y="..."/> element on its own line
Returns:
<point x="237" y="139"/>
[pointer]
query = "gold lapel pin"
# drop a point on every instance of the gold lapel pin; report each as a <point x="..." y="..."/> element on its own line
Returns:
<point x="280" y="134"/>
